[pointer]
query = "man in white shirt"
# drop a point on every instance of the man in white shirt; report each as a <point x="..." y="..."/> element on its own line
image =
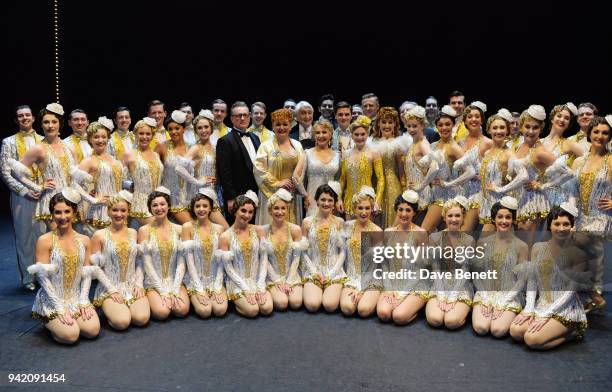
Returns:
<point x="189" y="135"/>
<point x="258" y="115"/>
<point x="77" y="120"/>
<point x="122" y="139"/>
<point x="303" y="130"/>
<point x="23" y="200"/>
<point x="342" y="140"/>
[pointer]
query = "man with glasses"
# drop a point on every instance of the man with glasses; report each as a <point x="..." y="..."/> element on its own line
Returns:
<point x="236" y="153"/>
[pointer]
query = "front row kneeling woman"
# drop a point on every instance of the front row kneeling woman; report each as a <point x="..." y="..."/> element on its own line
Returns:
<point x="64" y="273"/>
<point x="245" y="260"/>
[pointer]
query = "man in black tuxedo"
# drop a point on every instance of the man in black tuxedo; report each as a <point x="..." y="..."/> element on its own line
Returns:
<point x="302" y="131"/>
<point x="236" y="152"/>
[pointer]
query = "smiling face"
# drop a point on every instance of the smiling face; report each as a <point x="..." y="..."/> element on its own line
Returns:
<point x="99" y="140"/>
<point x="25" y="119"/>
<point x="220" y="112"/>
<point x="454" y="218"/>
<point x="281" y="128"/>
<point x="415" y="128"/>
<point x="244" y="213"/>
<point x="144" y="134"/>
<point x="343" y="117"/>
<point x="203" y="129"/>
<point x="531" y="131"/>
<point x="189" y="112"/>
<point x="457" y="103"/>
<point x="370" y="107"/>
<point x="278" y="211"/>
<point x="363" y="210"/>
<point x="473" y="120"/>
<point x="503" y="220"/>
<point x="445" y="127"/>
<point x="387" y="127"/>
<point x="259" y="115"/>
<point x="360" y="136"/>
<point x="159" y="114"/>
<point x="176" y="131"/>
<point x="561" y="120"/>
<point x="585" y="115"/>
<point x="561" y="227"/>
<point x="404" y="214"/>
<point x="50" y="125"/>
<point x="305" y="116"/>
<point x="159" y="207"/>
<point x="240" y="117"/>
<point x="202" y="208"/>
<point x="327" y="109"/>
<point x="325" y="202"/>
<point x="78" y="122"/>
<point x="600" y="136"/>
<point x="123" y="120"/>
<point x="119" y="212"/>
<point x="322" y="136"/>
<point x="498" y="130"/>
<point x="63" y="215"/>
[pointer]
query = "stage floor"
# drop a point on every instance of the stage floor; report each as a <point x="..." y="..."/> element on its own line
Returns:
<point x="290" y="351"/>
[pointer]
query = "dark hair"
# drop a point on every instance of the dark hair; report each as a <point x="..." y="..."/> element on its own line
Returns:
<point x="516" y="114"/>
<point x="399" y="200"/>
<point x="240" y="201"/>
<point x="456" y="93"/>
<point x="184" y="104"/>
<point x="342" y="105"/>
<point x="154" y="195"/>
<point x="590" y="106"/>
<point x="597" y="120"/>
<point x="169" y="120"/>
<point x="122" y="109"/>
<point x="44" y="111"/>
<point x="497" y="207"/>
<point x="326" y="97"/>
<point x="21" y="107"/>
<point x="72" y="113"/>
<point x="326" y="189"/>
<point x="555" y="213"/>
<point x="196" y="199"/>
<point x="441" y="114"/>
<point x="155" y="102"/>
<point x="59" y="198"/>
<point x="217" y="102"/>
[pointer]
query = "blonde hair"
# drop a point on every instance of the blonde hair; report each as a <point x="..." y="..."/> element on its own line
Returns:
<point x="497" y="117"/>
<point x="95" y="127"/>
<point x="324" y="124"/>
<point x="359" y="197"/>
<point x="451" y="204"/>
<point x="409" y="116"/>
<point x="526" y="116"/>
<point x="113" y="200"/>
<point x="142" y="124"/>
<point x="273" y="199"/>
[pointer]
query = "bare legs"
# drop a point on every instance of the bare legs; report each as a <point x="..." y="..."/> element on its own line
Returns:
<point x="470" y="222"/>
<point x="432" y="218"/>
<point x="282" y="301"/>
<point x="314" y="297"/>
<point x="364" y="303"/>
<point x="551" y="335"/>
<point x="391" y="307"/>
<point x="69" y="334"/>
<point x="452" y="317"/>
<point x="252" y="308"/>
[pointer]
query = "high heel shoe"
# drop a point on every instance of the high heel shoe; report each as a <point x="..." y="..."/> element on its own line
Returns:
<point x="596" y="304"/>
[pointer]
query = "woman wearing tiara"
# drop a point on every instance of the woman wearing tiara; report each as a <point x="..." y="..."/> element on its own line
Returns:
<point x="161" y="252"/>
<point x="284" y="246"/>
<point x="323" y="263"/>
<point x="475" y="145"/>
<point x="200" y="242"/>
<point x="450" y="299"/>
<point x="317" y="166"/>
<point x="498" y="301"/>
<point x="200" y="168"/>
<point x="145" y="169"/>
<point x="402" y="299"/>
<point x="557" y="315"/>
<point x="391" y="147"/>
<point x="274" y="166"/>
<point x="497" y="163"/>
<point x="416" y="176"/>
<point x="171" y="153"/>
<point x="358" y="167"/>
<point x="54" y="160"/>
<point x="64" y="273"/>
<point x="565" y="151"/>
<point x="445" y="152"/>
<point x="114" y="250"/>
<point x="99" y="174"/>
<point x="359" y="293"/>
<point x="245" y="260"/>
<point x="594" y="191"/>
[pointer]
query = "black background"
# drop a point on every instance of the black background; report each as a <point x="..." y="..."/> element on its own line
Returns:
<point x="129" y="52"/>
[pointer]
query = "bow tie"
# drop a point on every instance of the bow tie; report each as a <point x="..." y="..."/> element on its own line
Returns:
<point x="240" y="133"/>
<point x="28" y="133"/>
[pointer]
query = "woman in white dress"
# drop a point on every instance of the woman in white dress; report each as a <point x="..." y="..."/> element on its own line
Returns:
<point x="317" y="166"/>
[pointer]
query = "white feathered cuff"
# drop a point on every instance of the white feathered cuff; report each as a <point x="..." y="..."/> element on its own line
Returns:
<point x="81" y="176"/>
<point x="224" y="255"/>
<point x="97" y="259"/>
<point x="42" y="269"/>
<point x="301" y="245"/>
<point x="19" y="168"/>
<point x="188" y="246"/>
<point x="265" y="244"/>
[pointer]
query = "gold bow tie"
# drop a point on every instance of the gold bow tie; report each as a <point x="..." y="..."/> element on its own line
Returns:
<point x="31" y="132"/>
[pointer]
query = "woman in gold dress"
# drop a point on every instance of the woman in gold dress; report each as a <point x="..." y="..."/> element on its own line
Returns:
<point x="274" y="166"/>
<point x="358" y="167"/>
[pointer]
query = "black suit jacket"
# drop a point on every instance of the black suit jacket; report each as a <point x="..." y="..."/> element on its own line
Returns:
<point x="295" y="135"/>
<point x="234" y="165"/>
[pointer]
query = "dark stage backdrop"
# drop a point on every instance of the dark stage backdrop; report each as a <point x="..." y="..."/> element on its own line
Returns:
<point x="129" y="52"/>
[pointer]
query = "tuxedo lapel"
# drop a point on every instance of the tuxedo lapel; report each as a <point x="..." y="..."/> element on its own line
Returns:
<point x="245" y="153"/>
